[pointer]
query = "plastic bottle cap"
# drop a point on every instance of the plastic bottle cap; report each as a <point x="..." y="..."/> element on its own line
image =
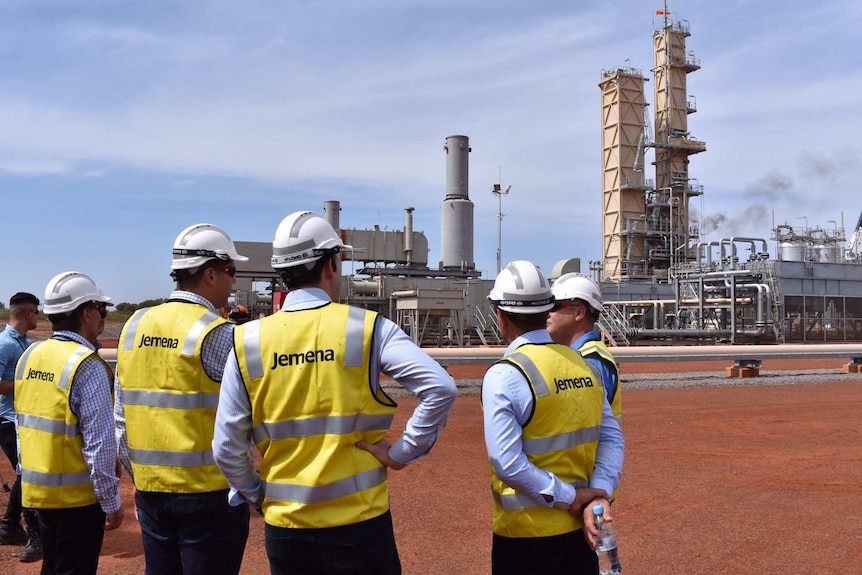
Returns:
<point x="598" y="509"/>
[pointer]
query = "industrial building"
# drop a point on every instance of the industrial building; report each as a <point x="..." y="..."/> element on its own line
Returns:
<point x="660" y="282"/>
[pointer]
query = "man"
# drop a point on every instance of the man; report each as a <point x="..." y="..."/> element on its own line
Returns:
<point x="554" y="445"/>
<point x="23" y="316"/>
<point x="304" y="382"/>
<point x="68" y="451"/>
<point x="170" y="360"/>
<point x="572" y="322"/>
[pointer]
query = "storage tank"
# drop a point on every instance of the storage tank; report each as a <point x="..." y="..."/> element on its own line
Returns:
<point x="456" y="213"/>
<point x="792" y="251"/>
<point x="828" y="253"/>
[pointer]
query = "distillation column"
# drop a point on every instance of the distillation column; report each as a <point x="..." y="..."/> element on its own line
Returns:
<point x="623" y="183"/>
<point x="673" y="145"/>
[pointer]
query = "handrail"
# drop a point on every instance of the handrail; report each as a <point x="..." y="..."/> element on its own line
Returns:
<point x="672" y="353"/>
<point x="652" y="353"/>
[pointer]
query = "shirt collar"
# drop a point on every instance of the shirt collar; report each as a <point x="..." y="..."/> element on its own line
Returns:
<point x="73" y="336"/>
<point x="193" y="298"/>
<point x="535" y="336"/>
<point x="304" y="298"/>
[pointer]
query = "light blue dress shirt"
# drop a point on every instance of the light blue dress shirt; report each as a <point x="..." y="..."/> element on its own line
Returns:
<point x="393" y="354"/>
<point x="12" y="345"/>
<point x="507" y="404"/>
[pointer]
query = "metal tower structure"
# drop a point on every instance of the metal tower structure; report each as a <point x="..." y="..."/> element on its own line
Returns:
<point x="623" y="182"/>
<point x="673" y="145"/>
<point x="646" y="230"/>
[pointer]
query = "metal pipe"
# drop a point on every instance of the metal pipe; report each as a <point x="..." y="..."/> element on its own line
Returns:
<point x="752" y="241"/>
<point x="649" y="353"/>
<point x="664" y="353"/>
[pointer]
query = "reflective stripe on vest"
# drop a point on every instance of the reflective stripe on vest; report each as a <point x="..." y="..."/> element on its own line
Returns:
<point x="166" y="394"/>
<point x="353" y="343"/>
<point x="562" y="441"/>
<point x="169" y="399"/>
<point x="48" y="425"/>
<point x="54" y="473"/>
<point x="560" y="437"/>
<point x="333" y="424"/>
<point x="597" y="351"/>
<point x="519" y="500"/>
<point x="308" y="494"/>
<point x="65" y="375"/>
<point x="172" y="458"/>
<point x="306" y="427"/>
<point x="533" y="373"/>
<point x="55" y="479"/>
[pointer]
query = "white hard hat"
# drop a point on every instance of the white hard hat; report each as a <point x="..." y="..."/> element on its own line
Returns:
<point x="200" y="243"/>
<point x="578" y="286"/>
<point x="68" y="290"/>
<point x="521" y="287"/>
<point x="303" y="238"/>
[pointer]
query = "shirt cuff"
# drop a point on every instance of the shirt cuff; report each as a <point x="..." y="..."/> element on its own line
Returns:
<point x="112" y="505"/>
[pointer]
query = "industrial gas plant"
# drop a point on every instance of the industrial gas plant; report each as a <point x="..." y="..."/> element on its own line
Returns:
<point x="660" y="282"/>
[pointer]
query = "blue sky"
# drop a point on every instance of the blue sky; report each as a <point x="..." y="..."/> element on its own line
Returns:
<point x="121" y="123"/>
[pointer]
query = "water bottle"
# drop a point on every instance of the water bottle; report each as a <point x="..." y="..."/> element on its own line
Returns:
<point x="606" y="549"/>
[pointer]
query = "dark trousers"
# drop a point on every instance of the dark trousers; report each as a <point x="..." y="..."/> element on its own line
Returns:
<point x="567" y="554"/>
<point x="14" y="509"/>
<point x="71" y="539"/>
<point x="366" y="548"/>
<point x="192" y="533"/>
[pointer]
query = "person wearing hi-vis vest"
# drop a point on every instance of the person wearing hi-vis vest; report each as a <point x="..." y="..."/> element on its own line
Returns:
<point x="554" y="444"/>
<point x="170" y="360"/>
<point x="65" y="430"/>
<point x="304" y="383"/>
<point x="577" y="307"/>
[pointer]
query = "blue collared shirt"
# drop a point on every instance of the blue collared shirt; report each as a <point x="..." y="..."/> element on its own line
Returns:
<point x="12" y="345"/>
<point x="393" y="354"/>
<point x="507" y="403"/>
<point x="609" y="376"/>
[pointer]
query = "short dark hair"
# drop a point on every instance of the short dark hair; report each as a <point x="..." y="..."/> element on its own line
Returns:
<point x="69" y="321"/>
<point x="527" y="321"/>
<point x="191" y="278"/>
<point x="299" y="276"/>
<point x="23" y="298"/>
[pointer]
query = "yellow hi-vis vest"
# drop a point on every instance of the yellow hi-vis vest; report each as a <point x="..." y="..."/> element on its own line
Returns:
<point x="599" y="350"/>
<point x="54" y="474"/>
<point x="169" y="400"/>
<point x="307" y="376"/>
<point x="561" y="437"/>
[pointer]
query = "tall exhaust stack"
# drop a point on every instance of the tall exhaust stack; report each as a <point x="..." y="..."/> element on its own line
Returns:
<point x="408" y="237"/>
<point x="332" y="213"/>
<point x="456" y="213"/>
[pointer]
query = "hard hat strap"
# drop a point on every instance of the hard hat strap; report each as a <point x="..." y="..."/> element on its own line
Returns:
<point x="204" y="253"/>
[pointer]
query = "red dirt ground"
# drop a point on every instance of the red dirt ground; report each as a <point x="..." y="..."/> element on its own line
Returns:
<point x="754" y="479"/>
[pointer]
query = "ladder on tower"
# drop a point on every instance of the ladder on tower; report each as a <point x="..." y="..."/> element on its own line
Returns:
<point x="777" y="300"/>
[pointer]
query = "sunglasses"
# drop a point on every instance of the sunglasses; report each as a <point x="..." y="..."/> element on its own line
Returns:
<point x="562" y="304"/>
<point x="101" y="307"/>
<point x="229" y="270"/>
